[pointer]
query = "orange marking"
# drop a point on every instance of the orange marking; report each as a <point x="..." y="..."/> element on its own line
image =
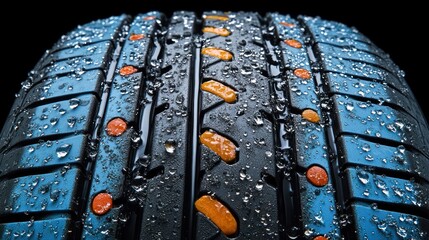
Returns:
<point x="220" y="90"/>
<point x="217" y="213"/>
<point x="135" y="37"/>
<point x="116" y="127"/>
<point x="293" y="43"/>
<point x="216" y="30"/>
<point x="320" y="238"/>
<point x="127" y="70"/>
<point x="317" y="176"/>
<point x="222" y="146"/>
<point x="218" y="53"/>
<point x="310" y="115"/>
<point x="302" y="73"/>
<point x="287" y="24"/>
<point x="102" y="203"/>
<point x="148" y="18"/>
<point x="216" y="17"/>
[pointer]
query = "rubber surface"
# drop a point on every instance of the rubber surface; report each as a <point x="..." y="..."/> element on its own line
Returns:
<point x="367" y="133"/>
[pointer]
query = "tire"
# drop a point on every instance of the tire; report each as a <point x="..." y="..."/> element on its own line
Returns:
<point x="226" y="125"/>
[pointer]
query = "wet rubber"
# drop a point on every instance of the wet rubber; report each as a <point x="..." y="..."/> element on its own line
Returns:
<point x="288" y="128"/>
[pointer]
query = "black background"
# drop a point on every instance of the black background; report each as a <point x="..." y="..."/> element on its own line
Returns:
<point x="28" y="29"/>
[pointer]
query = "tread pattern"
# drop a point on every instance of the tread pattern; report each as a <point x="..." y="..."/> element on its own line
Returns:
<point x="366" y="133"/>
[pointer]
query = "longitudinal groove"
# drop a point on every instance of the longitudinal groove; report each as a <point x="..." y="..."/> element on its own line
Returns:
<point x="329" y="131"/>
<point x="194" y="150"/>
<point x="145" y="118"/>
<point x="288" y="202"/>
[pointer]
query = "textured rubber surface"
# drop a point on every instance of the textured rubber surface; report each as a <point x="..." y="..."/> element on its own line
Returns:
<point x="365" y="133"/>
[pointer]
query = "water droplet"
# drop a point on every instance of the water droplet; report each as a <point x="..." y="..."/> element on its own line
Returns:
<point x="259" y="185"/>
<point x="74" y="103"/>
<point x="31" y="149"/>
<point x="366" y="147"/>
<point x="401" y="149"/>
<point x="257" y="118"/>
<point x="63" y="150"/>
<point x="242" y="173"/>
<point x="172" y="171"/>
<point x="349" y="107"/>
<point x="401" y="232"/>
<point x="53" y="121"/>
<point x="55" y="194"/>
<point x="71" y="121"/>
<point x="170" y="145"/>
<point x="382" y="225"/>
<point x="268" y="153"/>
<point x="363" y="176"/>
<point x="180" y="99"/>
<point x="319" y="218"/>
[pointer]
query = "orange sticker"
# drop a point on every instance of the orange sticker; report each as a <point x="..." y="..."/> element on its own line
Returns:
<point x="218" y="53"/>
<point x="127" y="70"/>
<point x="320" y="238"/>
<point x="317" y="176"/>
<point x="116" y="127"/>
<point x="220" y="90"/>
<point x="148" y="18"/>
<point x="135" y="37"/>
<point x="222" y="146"/>
<point x="310" y="115"/>
<point x="102" y="203"/>
<point x="216" y="17"/>
<point x="218" y="31"/>
<point x="286" y="24"/>
<point x="218" y="213"/>
<point x="302" y="73"/>
<point x="293" y="43"/>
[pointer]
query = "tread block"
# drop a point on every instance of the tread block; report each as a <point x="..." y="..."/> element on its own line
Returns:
<point x="40" y="229"/>
<point x="63" y="152"/>
<point x="56" y="191"/>
<point x="88" y="82"/>
<point x="319" y="215"/>
<point x="373" y="223"/>
<point x="382" y="122"/>
<point x="63" y="117"/>
<point x="96" y="31"/>
<point x="82" y="51"/>
<point x="364" y="185"/>
<point x="75" y="66"/>
<point x="355" y="150"/>
<point x="357" y="55"/>
<point x="362" y="70"/>
<point x="342" y="84"/>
